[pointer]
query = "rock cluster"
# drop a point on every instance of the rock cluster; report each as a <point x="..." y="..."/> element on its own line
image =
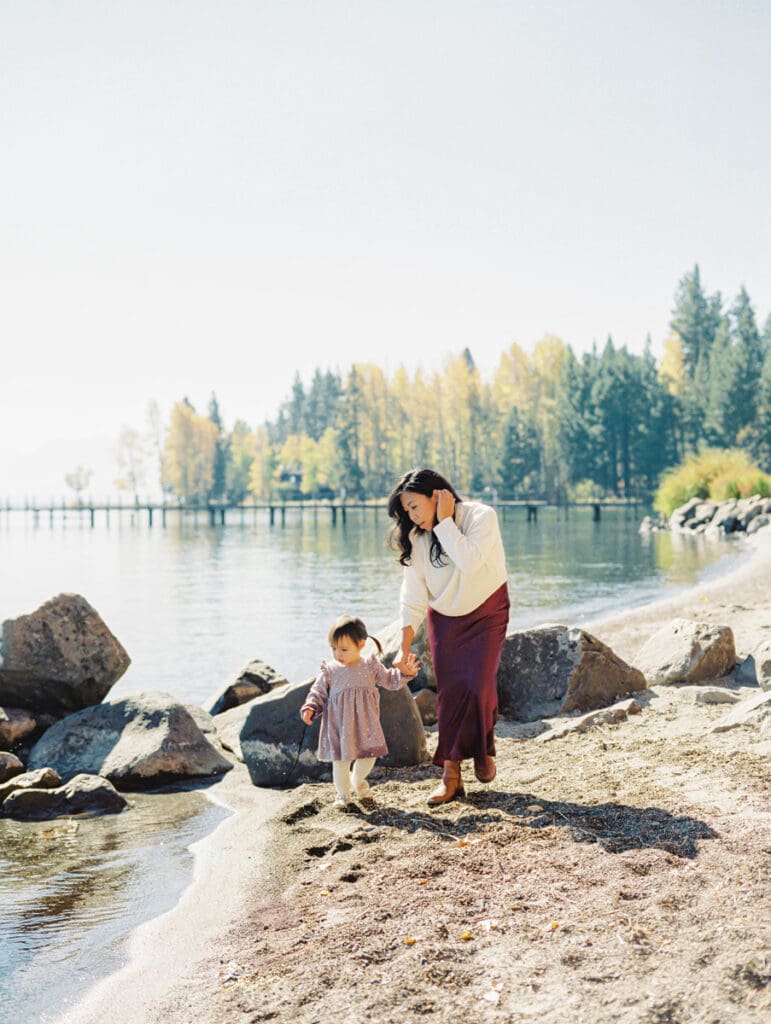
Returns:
<point x="57" y="666"/>
<point x="715" y="518"/>
<point x="67" y="749"/>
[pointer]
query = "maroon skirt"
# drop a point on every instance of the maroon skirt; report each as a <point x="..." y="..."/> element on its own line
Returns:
<point x="466" y="651"/>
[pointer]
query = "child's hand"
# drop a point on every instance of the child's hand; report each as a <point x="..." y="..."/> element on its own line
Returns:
<point x="410" y="666"/>
<point x="307" y="715"/>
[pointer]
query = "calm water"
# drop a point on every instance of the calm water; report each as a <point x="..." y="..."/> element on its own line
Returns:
<point x="192" y="604"/>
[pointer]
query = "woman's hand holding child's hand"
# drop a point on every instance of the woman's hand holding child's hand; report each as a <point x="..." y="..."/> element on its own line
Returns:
<point x="307" y="715"/>
<point x="409" y="666"/>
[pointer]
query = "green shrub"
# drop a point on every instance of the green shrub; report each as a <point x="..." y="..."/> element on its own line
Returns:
<point x="715" y="473"/>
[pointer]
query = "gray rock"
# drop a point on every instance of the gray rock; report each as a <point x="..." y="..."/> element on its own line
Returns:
<point x="747" y="510"/>
<point x="684" y="513"/>
<point x="687" y="652"/>
<point x="84" y="794"/>
<point x="277" y="747"/>
<point x="758" y="523"/>
<point x="15" y="724"/>
<point x="43" y="778"/>
<point x="426" y="703"/>
<point x="143" y="740"/>
<point x="280" y="750"/>
<point x="715" y="695"/>
<point x="252" y="681"/>
<point x="229" y="725"/>
<point x="607" y="716"/>
<point x="59" y="658"/>
<point x="725" y="517"/>
<point x="762" y="658"/>
<point x="745" y="672"/>
<point x="705" y="511"/>
<point x="554" y="669"/>
<point x="522" y="731"/>
<point x="202" y="719"/>
<point x="10" y="765"/>
<point x="391" y="638"/>
<point x="753" y="711"/>
<point x="652" y="524"/>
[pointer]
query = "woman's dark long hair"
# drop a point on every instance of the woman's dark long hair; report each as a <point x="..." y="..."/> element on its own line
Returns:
<point x="419" y="481"/>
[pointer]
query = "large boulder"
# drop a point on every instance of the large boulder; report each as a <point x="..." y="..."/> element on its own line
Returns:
<point x="143" y="740"/>
<point x="228" y="725"/>
<point x="252" y="681"/>
<point x="553" y="669"/>
<point x="280" y="750"/>
<point x="15" y="724"/>
<point x="684" y="651"/>
<point x="84" y="794"/>
<point x="59" y="658"/>
<point x="43" y="778"/>
<point x="10" y="765"/>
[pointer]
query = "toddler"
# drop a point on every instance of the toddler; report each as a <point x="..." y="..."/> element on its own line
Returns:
<point x="345" y="695"/>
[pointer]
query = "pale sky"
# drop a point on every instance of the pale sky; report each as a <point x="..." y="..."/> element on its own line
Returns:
<point x="200" y="196"/>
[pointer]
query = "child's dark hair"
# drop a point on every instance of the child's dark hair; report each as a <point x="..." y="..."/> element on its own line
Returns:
<point x="419" y="481"/>
<point x="354" y="629"/>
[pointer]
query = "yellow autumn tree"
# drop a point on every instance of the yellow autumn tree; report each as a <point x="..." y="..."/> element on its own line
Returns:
<point x="263" y="466"/>
<point x="672" y="371"/>
<point x="188" y="453"/>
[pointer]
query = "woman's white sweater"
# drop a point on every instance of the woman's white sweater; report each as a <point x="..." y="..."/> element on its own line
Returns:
<point x="475" y="565"/>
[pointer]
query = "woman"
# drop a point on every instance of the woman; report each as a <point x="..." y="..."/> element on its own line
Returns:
<point x="455" y="572"/>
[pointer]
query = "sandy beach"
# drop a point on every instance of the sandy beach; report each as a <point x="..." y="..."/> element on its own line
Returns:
<point x="617" y="875"/>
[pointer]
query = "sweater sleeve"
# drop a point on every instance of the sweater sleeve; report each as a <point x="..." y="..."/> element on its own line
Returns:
<point x="413" y="597"/>
<point x="388" y="678"/>
<point x="471" y="549"/>
<point x="318" y="693"/>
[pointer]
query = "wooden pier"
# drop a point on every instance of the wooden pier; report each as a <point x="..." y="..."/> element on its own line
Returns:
<point x="217" y="514"/>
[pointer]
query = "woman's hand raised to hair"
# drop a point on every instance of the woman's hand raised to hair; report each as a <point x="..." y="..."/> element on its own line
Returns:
<point x="445" y="505"/>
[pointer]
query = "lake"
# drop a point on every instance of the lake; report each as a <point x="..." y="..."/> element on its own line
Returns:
<point x="192" y="604"/>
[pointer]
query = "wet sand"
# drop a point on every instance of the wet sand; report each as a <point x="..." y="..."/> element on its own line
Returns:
<point x="163" y="952"/>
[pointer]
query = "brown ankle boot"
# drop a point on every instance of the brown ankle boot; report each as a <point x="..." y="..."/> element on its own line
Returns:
<point x="450" y="786"/>
<point x="484" y="768"/>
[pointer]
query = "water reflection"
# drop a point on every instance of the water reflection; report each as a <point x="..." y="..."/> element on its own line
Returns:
<point x="70" y="891"/>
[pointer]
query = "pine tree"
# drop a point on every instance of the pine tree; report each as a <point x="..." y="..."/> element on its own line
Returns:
<point x="520" y="460"/>
<point x="349" y="412"/>
<point x="295" y="408"/>
<point x="748" y="360"/>
<point x="221" y="453"/>
<point x="695" y="318"/>
<point x="721" y="416"/>
<point x="758" y="435"/>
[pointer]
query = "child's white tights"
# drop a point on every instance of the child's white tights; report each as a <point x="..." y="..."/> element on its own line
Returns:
<point x="352" y="783"/>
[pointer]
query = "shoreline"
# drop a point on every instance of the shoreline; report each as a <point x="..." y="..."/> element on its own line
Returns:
<point x="161" y="953"/>
<point x="718" y="597"/>
<point x="162" y="979"/>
